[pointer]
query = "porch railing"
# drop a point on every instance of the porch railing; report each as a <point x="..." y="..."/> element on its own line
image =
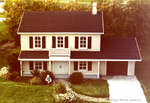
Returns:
<point x="55" y="52"/>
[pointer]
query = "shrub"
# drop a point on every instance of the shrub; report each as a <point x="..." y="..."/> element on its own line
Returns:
<point x="3" y="71"/>
<point x="59" y="88"/>
<point x="35" y="81"/>
<point x="76" y="78"/>
<point x="44" y="74"/>
<point x="35" y="73"/>
<point x="15" y="76"/>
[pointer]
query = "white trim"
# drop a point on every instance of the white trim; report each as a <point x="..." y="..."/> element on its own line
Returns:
<point x="20" y="22"/>
<point x="98" y="66"/>
<point x="47" y="33"/>
<point x="69" y="69"/>
<point x="59" y="59"/>
<point x="104" y="60"/>
<point x="81" y="59"/>
<point x="138" y="49"/>
<point x="21" y="68"/>
<point x="33" y="59"/>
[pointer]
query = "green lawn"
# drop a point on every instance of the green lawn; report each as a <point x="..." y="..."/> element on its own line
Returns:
<point x="95" y="88"/>
<point x="2" y="26"/>
<point x="14" y="92"/>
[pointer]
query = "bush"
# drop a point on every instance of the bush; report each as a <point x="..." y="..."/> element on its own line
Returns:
<point x="35" y="73"/>
<point x="36" y="81"/>
<point x="44" y="74"/>
<point x="15" y="76"/>
<point x="76" y="78"/>
<point x="59" y="88"/>
<point x="3" y="71"/>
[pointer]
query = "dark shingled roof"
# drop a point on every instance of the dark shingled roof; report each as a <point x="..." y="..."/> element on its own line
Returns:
<point x="34" y="55"/>
<point x="112" y="48"/>
<point x="61" y="21"/>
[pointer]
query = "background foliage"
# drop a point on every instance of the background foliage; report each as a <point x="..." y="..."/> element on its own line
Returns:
<point x="130" y="20"/>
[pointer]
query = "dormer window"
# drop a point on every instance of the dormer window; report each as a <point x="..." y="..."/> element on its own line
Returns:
<point x="83" y="42"/>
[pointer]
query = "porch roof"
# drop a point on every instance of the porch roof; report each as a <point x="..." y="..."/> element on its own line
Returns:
<point x="34" y="55"/>
<point x="112" y="48"/>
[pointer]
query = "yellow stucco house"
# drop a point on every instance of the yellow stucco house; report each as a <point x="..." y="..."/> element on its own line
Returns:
<point x="67" y="42"/>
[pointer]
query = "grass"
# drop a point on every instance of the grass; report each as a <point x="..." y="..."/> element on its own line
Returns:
<point x="12" y="92"/>
<point x="95" y="88"/>
<point x="15" y="92"/>
<point x="2" y="26"/>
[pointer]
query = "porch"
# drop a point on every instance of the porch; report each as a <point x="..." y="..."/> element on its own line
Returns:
<point x="90" y="69"/>
<point x="62" y="69"/>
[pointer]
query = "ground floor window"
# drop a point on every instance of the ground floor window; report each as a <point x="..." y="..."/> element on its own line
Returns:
<point x="38" y="65"/>
<point x="83" y="66"/>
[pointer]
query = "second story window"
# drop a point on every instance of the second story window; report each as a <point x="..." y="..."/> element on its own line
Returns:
<point x="60" y="42"/>
<point x="37" y="42"/>
<point x="83" y="42"/>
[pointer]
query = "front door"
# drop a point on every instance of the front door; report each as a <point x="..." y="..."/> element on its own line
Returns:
<point x="60" y="67"/>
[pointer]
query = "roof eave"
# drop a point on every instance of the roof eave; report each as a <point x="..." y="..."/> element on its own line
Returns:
<point x="47" y="33"/>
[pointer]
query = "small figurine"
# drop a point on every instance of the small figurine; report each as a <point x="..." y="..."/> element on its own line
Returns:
<point x="48" y="79"/>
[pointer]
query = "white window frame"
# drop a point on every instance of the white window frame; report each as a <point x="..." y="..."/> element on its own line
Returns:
<point x="79" y="66"/>
<point x="34" y="42"/>
<point x="63" y="42"/>
<point x="86" y="42"/>
<point x="34" y="63"/>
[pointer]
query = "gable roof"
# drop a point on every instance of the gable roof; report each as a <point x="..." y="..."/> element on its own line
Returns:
<point x="61" y="22"/>
<point x="112" y="48"/>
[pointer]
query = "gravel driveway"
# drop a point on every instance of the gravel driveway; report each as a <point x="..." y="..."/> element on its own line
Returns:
<point x="123" y="89"/>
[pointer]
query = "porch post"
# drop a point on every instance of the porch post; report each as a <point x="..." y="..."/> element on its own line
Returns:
<point x="131" y="68"/>
<point x="49" y="66"/>
<point x="69" y="68"/>
<point x="20" y="68"/>
<point x="98" y="69"/>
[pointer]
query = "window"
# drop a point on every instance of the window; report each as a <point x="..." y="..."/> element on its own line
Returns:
<point x="83" y="42"/>
<point x="60" y="42"/>
<point x="83" y="66"/>
<point x="37" y="42"/>
<point x="38" y="65"/>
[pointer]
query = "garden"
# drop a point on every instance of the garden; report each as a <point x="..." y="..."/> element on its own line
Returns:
<point x="36" y="89"/>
